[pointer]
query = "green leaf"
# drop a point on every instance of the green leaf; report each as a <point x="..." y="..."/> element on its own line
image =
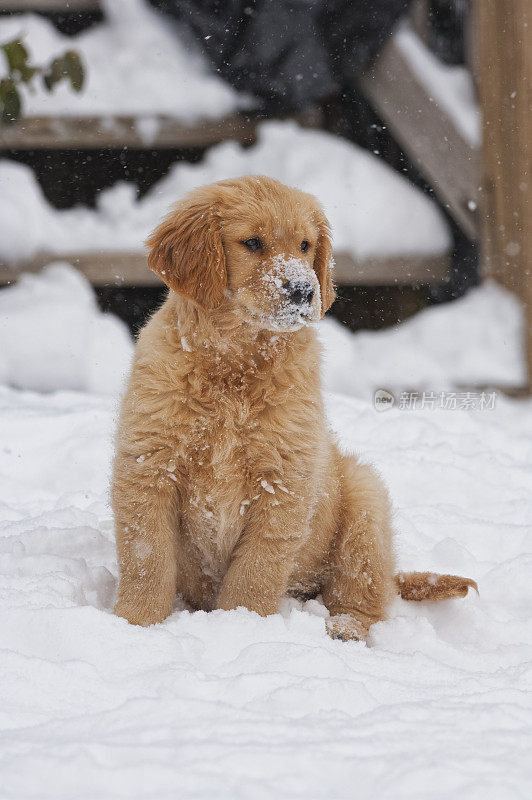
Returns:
<point x="27" y="73"/>
<point x="10" y="100"/>
<point x="54" y="73"/>
<point x="16" y="55"/>
<point x="66" y="66"/>
<point x="74" y="68"/>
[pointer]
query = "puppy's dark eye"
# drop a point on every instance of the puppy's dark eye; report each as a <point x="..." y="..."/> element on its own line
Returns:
<point x="305" y="245"/>
<point x="253" y="244"/>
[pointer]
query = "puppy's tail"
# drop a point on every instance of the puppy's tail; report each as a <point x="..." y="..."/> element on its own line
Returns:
<point x="431" y="586"/>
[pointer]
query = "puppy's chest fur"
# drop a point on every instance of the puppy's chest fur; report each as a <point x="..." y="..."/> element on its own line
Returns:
<point x="240" y="445"/>
<point x="214" y="482"/>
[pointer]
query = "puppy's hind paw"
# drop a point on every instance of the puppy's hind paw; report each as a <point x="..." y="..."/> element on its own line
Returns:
<point x="346" y="628"/>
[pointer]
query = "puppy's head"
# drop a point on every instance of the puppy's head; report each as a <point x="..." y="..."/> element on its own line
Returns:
<point x="251" y="244"/>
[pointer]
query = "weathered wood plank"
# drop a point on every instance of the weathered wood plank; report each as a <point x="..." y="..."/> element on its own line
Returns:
<point x="426" y="133"/>
<point x="130" y="269"/>
<point x="75" y="133"/>
<point x="505" y="81"/>
<point x="399" y="270"/>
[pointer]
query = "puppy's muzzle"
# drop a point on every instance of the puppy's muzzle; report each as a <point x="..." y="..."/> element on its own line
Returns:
<point x="299" y="292"/>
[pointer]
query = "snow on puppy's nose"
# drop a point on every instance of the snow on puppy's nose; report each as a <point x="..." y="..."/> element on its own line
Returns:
<point x="292" y="278"/>
<point x="292" y="292"/>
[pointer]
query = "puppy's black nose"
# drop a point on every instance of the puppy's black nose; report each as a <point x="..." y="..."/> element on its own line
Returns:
<point x="300" y="292"/>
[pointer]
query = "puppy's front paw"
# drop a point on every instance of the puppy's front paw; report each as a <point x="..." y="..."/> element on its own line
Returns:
<point x="138" y="612"/>
<point x="347" y="628"/>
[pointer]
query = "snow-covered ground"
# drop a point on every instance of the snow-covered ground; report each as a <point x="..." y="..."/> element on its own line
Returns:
<point x="136" y="62"/>
<point x="374" y="211"/>
<point x="229" y="705"/>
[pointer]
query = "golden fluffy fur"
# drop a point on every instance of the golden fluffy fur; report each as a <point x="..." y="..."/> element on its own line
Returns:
<point x="228" y="487"/>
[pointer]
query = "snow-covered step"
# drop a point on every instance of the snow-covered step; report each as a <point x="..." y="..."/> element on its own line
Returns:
<point x="158" y="92"/>
<point x="137" y="64"/>
<point x="385" y="229"/>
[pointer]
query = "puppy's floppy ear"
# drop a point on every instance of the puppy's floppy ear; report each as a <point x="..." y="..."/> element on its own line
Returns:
<point x="323" y="261"/>
<point x="186" y="251"/>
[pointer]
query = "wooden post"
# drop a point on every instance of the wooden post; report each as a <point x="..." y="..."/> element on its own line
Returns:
<point x="504" y="58"/>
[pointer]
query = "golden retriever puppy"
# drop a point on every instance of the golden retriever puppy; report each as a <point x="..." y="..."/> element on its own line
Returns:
<point x="228" y="487"/>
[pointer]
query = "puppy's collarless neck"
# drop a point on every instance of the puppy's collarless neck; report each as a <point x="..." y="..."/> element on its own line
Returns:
<point x="223" y="335"/>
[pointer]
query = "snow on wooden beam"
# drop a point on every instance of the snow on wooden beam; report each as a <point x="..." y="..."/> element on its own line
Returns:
<point x="425" y="131"/>
<point x="43" y="6"/>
